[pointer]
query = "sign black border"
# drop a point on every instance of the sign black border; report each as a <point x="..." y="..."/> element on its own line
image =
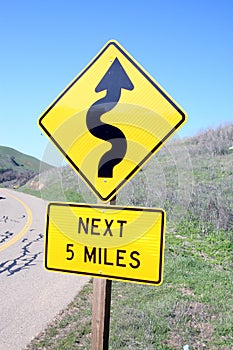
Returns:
<point x="150" y="154"/>
<point x="107" y="207"/>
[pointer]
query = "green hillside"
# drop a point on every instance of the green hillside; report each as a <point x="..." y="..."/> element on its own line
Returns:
<point x="191" y="176"/>
<point x="17" y="168"/>
<point x="192" y="180"/>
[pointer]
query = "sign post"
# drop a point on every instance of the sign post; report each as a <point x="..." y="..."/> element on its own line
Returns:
<point x="101" y="306"/>
<point x="108" y="123"/>
<point x="127" y="243"/>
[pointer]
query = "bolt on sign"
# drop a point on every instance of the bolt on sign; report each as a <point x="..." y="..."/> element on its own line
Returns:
<point x="113" y="242"/>
<point x="110" y="120"/>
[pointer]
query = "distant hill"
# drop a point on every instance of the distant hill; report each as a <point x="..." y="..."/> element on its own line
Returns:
<point x="190" y="178"/>
<point x="17" y="168"/>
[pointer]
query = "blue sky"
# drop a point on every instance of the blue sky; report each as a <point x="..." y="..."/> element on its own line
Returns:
<point x="187" y="46"/>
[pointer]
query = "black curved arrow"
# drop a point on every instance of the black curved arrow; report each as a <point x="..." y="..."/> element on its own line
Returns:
<point x="113" y="81"/>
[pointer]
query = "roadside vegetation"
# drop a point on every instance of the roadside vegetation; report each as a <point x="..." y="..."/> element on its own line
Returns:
<point x="17" y="168"/>
<point x="192" y="180"/>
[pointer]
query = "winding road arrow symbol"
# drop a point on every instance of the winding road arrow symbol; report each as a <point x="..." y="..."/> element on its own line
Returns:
<point x="114" y="80"/>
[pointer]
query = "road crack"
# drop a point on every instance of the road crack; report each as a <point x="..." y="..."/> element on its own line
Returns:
<point x="25" y="260"/>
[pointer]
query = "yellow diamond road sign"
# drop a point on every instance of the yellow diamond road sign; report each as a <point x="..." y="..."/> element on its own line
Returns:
<point x="122" y="243"/>
<point x="110" y="120"/>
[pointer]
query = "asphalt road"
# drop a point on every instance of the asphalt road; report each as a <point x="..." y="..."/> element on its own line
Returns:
<point x="30" y="295"/>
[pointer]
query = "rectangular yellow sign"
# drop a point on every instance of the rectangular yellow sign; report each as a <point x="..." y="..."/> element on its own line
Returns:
<point x="113" y="242"/>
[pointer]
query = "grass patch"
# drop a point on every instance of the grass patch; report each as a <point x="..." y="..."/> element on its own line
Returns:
<point x="186" y="309"/>
<point x="194" y="305"/>
<point x="72" y="327"/>
<point x="51" y="193"/>
<point x="213" y="246"/>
